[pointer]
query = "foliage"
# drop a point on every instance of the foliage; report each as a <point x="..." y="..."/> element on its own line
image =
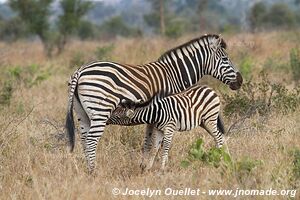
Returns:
<point x="30" y="75"/>
<point x="212" y="157"/>
<point x="261" y="97"/>
<point x="279" y="15"/>
<point x="296" y="164"/>
<point x="13" y="29"/>
<point x="246" y="65"/>
<point x="69" y="21"/>
<point x="156" y="18"/>
<point x="175" y="28"/>
<point x="6" y="93"/>
<point x="219" y="158"/>
<point x="295" y="63"/>
<point x="117" y="27"/>
<point x="294" y="171"/>
<point x="35" y="14"/>
<point x="256" y="15"/>
<point x="16" y="76"/>
<point x="77" y="60"/>
<point x="86" y="30"/>
<point x="103" y="53"/>
<point x="244" y="167"/>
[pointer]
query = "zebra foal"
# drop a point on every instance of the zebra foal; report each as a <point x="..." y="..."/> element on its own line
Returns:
<point x="196" y="106"/>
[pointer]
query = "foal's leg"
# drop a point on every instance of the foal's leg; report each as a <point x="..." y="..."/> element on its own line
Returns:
<point x="157" y="138"/>
<point x="148" y="142"/>
<point x="211" y="126"/>
<point x="168" y="135"/>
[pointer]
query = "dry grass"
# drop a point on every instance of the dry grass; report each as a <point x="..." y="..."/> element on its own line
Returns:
<point x="35" y="162"/>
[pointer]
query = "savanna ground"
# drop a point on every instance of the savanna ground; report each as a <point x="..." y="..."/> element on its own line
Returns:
<point x="35" y="162"/>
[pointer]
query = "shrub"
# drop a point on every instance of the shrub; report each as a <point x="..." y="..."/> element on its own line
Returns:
<point x="219" y="158"/>
<point x="86" y="30"/>
<point x="27" y="76"/>
<point x="116" y="26"/>
<point x="34" y="75"/>
<point x="103" y="53"/>
<point x="246" y="67"/>
<point x="261" y="97"/>
<point x="296" y="164"/>
<point x="175" y="28"/>
<point x="212" y="157"/>
<point x="295" y="64"/>
<point x="244" y="167"/>
<point x="6" y="93"/>
<point x="279" y="15"/>
<point x="77" y="60"/>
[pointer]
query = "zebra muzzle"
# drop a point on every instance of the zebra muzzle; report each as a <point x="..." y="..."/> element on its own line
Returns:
<point x="238" y="83"/>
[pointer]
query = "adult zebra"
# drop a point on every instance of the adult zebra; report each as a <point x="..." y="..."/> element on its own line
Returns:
<point x="194" y="107"/>
<point x="100" y="87"/>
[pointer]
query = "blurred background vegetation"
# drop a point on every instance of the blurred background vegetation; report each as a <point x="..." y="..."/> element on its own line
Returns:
<point x="55" y="22"/>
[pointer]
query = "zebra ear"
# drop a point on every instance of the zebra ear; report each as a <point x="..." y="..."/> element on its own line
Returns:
<point x="129" y="113"/>
<point x="215" y="43"/>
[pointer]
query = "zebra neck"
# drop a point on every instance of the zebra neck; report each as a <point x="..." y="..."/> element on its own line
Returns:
<point x="147" y="114"/>
<point x="187" y="65"/>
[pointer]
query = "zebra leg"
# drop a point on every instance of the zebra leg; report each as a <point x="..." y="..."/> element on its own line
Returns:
<point x="157" y="138"/>
<point x="148" y="141"/>
<point x="168" y="135"/>
<point x="210" y="125"/>
<point x="84" y="122"/>
<point x="91" y="140"/>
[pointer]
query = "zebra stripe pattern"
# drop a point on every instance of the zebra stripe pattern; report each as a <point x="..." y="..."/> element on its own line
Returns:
<point x="197" y="106"/>
<point x="98" y="88"/>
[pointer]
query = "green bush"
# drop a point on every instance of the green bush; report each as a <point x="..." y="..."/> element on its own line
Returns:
<point x="30" y="75"/>
<point x="175" y="28"/>
<point x="275" y="63"/>
<point x="296" y="164"/>
<point x="17" y="76"/>
<point x="240" y="169"/>
<point x="212" y="157"/>
<point x="244" y="167"/>
<point x="6" y="93"/>
<point x="261" y="97"/>
<point x="86" y="30"/>
<point x="246" y="65"/>
<point x="13" y="29"/>
<point x="34" y="75"/>
<point x="295" y="64"/>
<point x="116" y="26"/>
<point x="77" y="60"/>
<point x="103" y="53"/>
<point x="279" y="15"/>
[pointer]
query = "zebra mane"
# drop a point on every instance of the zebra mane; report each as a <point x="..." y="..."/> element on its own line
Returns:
<point x="206" y="36"/>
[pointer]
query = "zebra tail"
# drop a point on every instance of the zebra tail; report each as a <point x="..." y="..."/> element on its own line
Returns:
<point x="70" y="127"/>
<point x="220" y="125"/>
